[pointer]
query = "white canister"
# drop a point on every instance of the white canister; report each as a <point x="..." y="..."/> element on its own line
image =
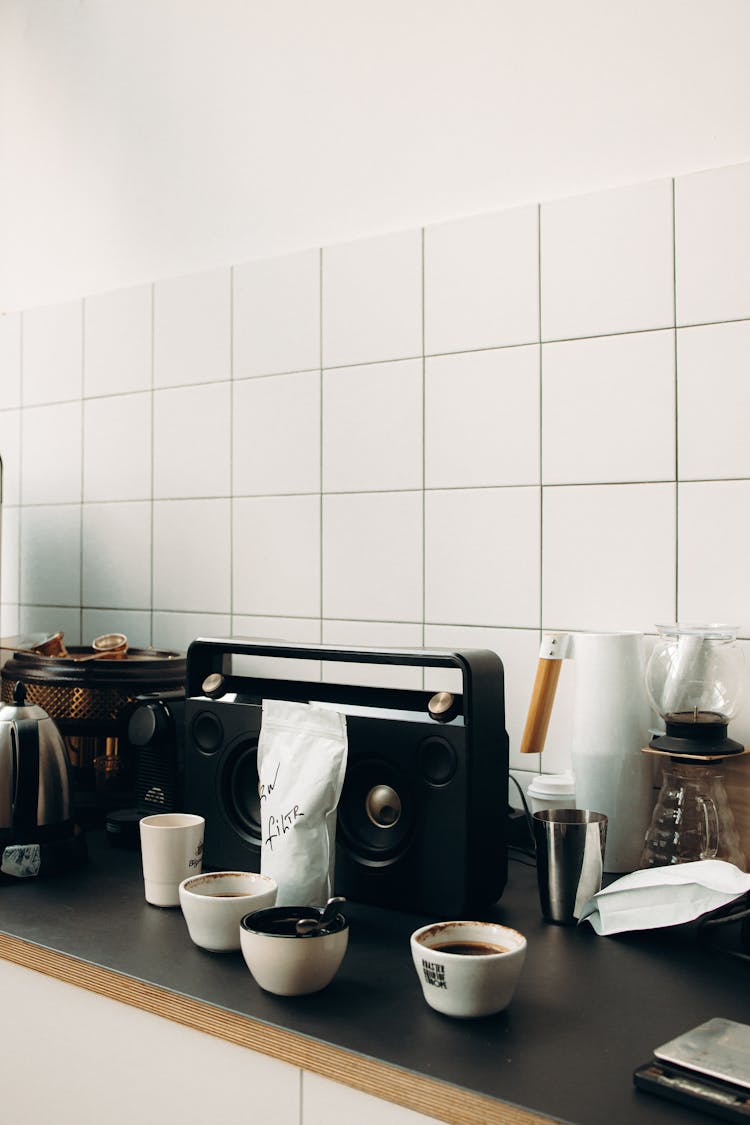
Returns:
<point x="611" y="719"/>
<point x="552" y="791"/>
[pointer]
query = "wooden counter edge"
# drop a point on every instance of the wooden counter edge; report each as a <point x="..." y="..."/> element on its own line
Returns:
<point x="424" y="1095"/>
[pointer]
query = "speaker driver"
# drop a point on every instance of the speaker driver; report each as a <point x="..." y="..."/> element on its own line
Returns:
<point x="383" y="806"/>
<point x="437" y="761"/>
<point x="376" y="810"/>
<point x="207" y="731"/>
<point x="238" y="791"/>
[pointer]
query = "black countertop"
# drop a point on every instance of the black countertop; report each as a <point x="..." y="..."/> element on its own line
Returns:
<point x="586" y="1012"/>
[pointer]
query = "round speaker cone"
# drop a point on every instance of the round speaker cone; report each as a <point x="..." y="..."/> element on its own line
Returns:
<point x="207" y="731"/>
<point x="239" y="791"/>
<point x="437" y="761"/>
<point x="376" y="812"/>
<point x="383" y="806"/>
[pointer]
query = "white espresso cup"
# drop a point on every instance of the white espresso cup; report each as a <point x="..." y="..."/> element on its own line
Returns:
<point x="214" y="905"/>
<point x="468" y="968"/>
<point x="171" y="850"/>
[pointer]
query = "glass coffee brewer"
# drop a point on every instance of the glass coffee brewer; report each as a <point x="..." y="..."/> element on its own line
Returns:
<point x="694" y="679"/>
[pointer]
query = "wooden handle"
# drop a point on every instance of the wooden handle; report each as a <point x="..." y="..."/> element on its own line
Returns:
<point x="540" y="708"/>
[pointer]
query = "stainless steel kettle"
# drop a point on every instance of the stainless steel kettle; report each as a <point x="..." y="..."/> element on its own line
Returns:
<point x="35" y="792"/>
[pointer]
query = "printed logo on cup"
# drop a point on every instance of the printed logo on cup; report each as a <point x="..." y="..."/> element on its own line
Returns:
<point x="434" y="974"/>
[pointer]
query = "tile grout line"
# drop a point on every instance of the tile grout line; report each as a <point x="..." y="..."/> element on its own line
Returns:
<point x="522" y="486"/>
<point x="151" y="393"/>
<point x="541" y="444"/>
<point x="21" y="432"/>
<point x="423" y="309"/>
<point x="541" y="423"/>
<point x="402" y="359"/>
<point x="676" y="430"/>
<point x="504" y="628"/>
<point x="231" y="450"/>
<point x="306" y="617"/>
<point x="82" y="472"/>
<point x="321" y="438"/>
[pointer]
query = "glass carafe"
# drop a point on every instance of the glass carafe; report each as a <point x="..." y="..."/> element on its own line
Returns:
<point x="692" y="819"/>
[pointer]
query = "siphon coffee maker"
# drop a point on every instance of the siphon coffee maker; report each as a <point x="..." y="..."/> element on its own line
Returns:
<point x="694" y="679"/>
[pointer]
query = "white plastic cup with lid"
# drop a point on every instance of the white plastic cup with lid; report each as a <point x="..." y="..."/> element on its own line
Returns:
<point x="552" y="791"/>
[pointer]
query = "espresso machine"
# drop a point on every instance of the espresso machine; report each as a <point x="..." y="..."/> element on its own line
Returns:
<point x="90" y="693"/>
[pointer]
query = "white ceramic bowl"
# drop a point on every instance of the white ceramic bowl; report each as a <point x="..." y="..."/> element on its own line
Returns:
<point x="214" y="904"/>
<point x="286" y="963"/>
<point x="469" y="983"/>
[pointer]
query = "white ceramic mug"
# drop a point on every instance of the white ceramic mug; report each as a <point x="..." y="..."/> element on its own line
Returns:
<point x="468" y="968"/>
<point x="171" y="850"/>
<point x="214" y="904"/>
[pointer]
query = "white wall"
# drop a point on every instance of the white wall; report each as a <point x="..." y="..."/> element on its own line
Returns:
<point x="454" y="435"/>
<point x="141" y="139"/>
<point x="167" y="470"/>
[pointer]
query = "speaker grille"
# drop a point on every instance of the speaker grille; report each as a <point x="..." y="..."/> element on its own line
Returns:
<point x="156" y="786"/>
<point x="238" y="790"/>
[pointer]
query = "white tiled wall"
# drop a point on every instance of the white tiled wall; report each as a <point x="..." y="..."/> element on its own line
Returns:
<point x="451" y="436"/>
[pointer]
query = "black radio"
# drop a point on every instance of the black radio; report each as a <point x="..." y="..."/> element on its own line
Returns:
<point x="421" y="818"/>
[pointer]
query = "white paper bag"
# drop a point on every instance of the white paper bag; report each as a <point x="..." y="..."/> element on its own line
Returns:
<point x="665" y="896"/>
<point x="302" y="752"/>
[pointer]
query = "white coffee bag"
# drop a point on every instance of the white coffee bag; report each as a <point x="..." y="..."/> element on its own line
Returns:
<point x="302" y="752"/>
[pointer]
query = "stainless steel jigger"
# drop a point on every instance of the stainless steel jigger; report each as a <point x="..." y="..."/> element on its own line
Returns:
<point x="569" y="860"/>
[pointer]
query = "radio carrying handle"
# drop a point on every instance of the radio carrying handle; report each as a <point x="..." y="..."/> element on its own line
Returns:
<point x="480" y="670"/>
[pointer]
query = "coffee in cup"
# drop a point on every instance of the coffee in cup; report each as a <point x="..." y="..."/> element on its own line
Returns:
<point x="471" y="948"/>
<point x="215" y="903"/>
<point x="468" y="968"/>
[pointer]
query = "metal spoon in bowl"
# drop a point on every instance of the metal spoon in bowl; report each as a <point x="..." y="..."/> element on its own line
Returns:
<point x="326" y="915"/>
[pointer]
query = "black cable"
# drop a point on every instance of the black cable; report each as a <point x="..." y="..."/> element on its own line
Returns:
<point x="517" y="858"/>
<point x="736" y="911"/>
<point x="531" y="849"/>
